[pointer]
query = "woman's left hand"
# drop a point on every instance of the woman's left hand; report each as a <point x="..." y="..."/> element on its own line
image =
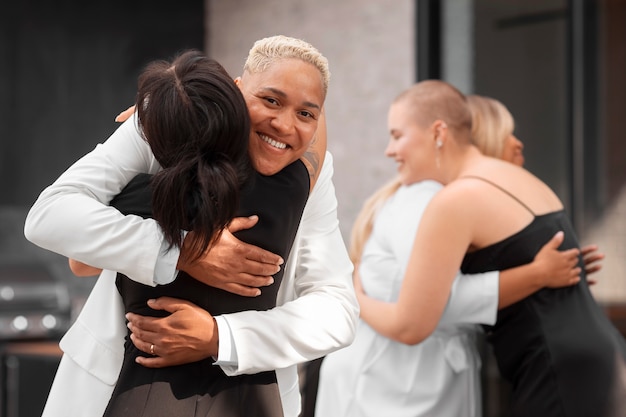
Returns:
<point x="591" y="259"/>
<point x="188" y="334"/>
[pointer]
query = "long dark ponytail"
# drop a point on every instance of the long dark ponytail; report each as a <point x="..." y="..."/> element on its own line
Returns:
<point x="196" y="121"/>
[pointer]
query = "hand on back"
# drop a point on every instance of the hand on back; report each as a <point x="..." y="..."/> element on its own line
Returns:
<point x="233" y="265"/>
<point x="560" y="268"/>
<point x="188" y="334"/>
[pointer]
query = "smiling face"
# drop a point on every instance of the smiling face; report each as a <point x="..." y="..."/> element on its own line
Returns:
<point x="411" y="146"/>
<point x="285" y="102"/>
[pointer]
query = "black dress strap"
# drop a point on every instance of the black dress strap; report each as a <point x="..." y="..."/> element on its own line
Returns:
<point x="501" y="189"/>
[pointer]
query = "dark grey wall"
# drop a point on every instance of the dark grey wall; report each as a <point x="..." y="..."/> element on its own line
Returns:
<point x="67" y="68"/>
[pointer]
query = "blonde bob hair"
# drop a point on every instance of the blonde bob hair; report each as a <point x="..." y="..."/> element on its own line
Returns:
<point x="492" y="124"/>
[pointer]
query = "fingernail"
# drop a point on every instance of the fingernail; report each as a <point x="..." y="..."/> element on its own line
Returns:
<point x="281" y="261"/>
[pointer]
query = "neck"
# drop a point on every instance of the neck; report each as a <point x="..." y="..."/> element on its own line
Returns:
<point x="457" y="161"/>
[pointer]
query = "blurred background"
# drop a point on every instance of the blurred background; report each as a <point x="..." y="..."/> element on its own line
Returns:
<point x="69" y="66"/>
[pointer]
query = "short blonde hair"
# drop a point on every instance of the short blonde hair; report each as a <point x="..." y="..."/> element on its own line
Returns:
<point x="266" y="51"/>
<point x="492" y="124"/>
<point x="433" y="100"/>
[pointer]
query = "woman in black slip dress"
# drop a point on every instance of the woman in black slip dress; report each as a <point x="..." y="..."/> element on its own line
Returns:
<point x="557" y="347"/>
<point x="201" y="388"/>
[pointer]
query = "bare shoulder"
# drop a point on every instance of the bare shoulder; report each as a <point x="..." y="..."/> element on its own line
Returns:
<point x="472" y="193"/>
<point x="462" y="190"/>
<point x="457" y="199"/>
<point x="523" y="185"/>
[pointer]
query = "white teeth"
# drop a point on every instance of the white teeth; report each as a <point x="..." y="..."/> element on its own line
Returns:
<point x="272" y="142"/>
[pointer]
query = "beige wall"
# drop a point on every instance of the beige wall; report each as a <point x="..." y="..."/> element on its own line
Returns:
<point x="370" y="46"/>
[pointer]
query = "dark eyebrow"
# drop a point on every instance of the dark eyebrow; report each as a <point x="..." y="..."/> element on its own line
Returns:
<point x="282" y="94"/>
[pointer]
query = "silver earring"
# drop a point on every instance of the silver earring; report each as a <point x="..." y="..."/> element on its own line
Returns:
<point x="439" y="143"/>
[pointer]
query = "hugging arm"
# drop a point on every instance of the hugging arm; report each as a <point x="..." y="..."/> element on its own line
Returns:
<point x="231" y="252"/>
<point x="72" y="217"/>
<point x="475" y="298"/>
<point x="550" y="268"/>
<point x="476" y="294"/>
<point x="317" y="311"/>
<point x="320" y="311"/>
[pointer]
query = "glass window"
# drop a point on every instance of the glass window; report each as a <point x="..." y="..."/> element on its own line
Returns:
<point x="559" y="67"/>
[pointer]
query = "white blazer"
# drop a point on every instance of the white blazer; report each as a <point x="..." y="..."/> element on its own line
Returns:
<point x="317" y="311"/>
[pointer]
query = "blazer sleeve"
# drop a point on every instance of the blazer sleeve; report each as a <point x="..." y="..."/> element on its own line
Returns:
<point x="72" y="217"/>
<point x="320" y="310"/>
<point x="473" y="299"/>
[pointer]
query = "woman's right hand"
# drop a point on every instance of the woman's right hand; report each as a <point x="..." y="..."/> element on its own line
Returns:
<point x="233" y="265"/>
